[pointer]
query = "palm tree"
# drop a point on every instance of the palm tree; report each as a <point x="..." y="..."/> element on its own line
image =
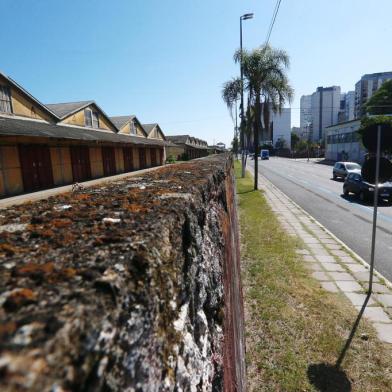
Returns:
<point x="231" y="93"/>
<point x="267" y="85"/>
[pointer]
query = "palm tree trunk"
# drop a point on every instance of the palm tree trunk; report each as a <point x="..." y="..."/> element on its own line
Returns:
<point x="256" y="137"/>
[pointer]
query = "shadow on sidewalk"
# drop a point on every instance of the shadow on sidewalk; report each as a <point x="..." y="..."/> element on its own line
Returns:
<point x="328" y="378"/>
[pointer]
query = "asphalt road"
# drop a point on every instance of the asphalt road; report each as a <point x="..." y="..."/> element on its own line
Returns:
<point x="311" y="186"/>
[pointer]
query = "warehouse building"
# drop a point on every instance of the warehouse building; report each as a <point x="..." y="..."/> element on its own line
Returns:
<point x="185" y="147"/>
<point x="43" y="146"/>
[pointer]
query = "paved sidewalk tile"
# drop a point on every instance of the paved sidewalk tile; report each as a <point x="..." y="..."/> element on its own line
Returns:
<point x="325" y="259"/>
<point x="350" y="287"/>
<point x="329" y="286"/>
<point x="385" y="299"/>
<point x="341" y="275"/>
<point x="333" y="267"/>
<point x="364" y="276"/>
<point x="384" y="331"/>
<point x="358" y="299"/>
<point x="321" y="276"/>
<point x="303" y="252"/>
<point x="339" y="253"/>
<point x="357" y="268"/>
<point x="310" y="240"/>
<point x="333" y="246"/>
<point x="380" y="288"/>
<point x="375" y="313"/>
<point x="309" y="258"/>
<point x="348" y="260"/>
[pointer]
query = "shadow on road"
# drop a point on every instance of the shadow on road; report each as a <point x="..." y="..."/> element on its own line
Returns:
<point x="338" y="179"/>
<point x="328" y="378"/>
<point x="369" y="203"/>
<point x="326" y="162"/>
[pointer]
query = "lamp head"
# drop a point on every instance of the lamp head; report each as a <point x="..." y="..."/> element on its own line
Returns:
<point x="247" y="16"/>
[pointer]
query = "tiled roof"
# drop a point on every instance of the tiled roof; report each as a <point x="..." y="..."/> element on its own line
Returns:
<point x="120" y="121"/>
<point x="18" y="127"/>
<point x="149" y="127"/>
<point x="178" y="138"/>
<point x="65" y="109"/>
<point x="25" y="92"/>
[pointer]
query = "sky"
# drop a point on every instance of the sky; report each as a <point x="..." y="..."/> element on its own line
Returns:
<point x="166" y="61"/>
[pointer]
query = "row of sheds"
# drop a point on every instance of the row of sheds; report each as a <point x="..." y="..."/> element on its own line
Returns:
<point x="48" y="145"/>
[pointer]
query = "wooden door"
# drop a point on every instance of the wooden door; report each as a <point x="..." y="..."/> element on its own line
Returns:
<point x="142" y="158"/>
<point x="80" y="161"/>
<point x="36" y="167"/>
<point x="109" y="161"/>
<point x="161" y="156"/>
<point x="153" y="155"/>
<point x="128" y="159"/>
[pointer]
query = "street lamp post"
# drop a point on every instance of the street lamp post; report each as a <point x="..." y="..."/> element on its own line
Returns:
<point x="242" y="133"/>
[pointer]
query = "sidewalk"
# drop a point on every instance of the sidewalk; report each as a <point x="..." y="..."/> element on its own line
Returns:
<point x="332" y="263"/>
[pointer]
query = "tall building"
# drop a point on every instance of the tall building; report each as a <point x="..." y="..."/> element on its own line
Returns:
<point x="305" y="112"/>
<point x="325" y="110"/>
<point x="281" y="127"/>
<point x="347" y="105"/>
<point x="350" y="106"/>
<point x="366" y="87"/>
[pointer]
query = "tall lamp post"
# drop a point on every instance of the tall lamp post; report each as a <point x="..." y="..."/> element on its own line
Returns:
<point x="242" y="133"/>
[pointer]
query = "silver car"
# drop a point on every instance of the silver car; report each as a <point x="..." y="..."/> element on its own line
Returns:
<point x="342" y="169"/>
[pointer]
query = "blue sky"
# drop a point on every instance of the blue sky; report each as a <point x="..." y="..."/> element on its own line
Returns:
<point x="166" y="61"/>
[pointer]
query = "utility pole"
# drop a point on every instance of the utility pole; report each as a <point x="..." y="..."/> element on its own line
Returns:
<point x="242" y="131"/>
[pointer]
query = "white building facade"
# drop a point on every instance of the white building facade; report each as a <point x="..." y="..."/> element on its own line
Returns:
<point x="325" y="110"/>
<point x="305" y="112"/>
<point x="342" y="142"/>
<point x="281" y="127"/>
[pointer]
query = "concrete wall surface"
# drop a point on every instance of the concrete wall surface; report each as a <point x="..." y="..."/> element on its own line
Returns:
<point x="129" y="286"/>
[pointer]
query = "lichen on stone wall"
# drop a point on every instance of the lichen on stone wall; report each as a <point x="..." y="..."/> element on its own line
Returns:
<point x="124" y="289"/>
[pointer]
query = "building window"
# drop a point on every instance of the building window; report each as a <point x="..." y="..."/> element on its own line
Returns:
<point x="95" y="117"/>
<point x="5" y="99"/>
<point x="133" y="128"/>
<point x="91" y="119"/>
<point x="88" y="118"/>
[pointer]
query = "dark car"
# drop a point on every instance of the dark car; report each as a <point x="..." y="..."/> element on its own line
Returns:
<point x="365" y="191"/>
<point x="342" y="169"/>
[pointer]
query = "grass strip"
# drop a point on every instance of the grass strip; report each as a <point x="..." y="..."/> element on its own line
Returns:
<point x="294" y="329"/>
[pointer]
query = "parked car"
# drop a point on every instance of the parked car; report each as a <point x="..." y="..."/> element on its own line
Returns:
<point x="264" y="154"/>
<point x="365" y="191"/>
<point x="342" y="169"/>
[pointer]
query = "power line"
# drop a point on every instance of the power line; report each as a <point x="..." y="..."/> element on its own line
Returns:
<point x="276" y="10"/>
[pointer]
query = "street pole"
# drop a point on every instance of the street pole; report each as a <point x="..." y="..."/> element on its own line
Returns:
<point x="375" y="208"/>
<point x="242" y="131"/>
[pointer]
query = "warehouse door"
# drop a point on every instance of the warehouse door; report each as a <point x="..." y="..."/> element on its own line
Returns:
<point x="109" y="161"/>
<point x="153" y="157"/>
<point x="36" y="167"/>
<point x="142" y="158"/>
<point x="161" y="156"/>
<point x="80" y="160"/>
<point x="128" y="159"/>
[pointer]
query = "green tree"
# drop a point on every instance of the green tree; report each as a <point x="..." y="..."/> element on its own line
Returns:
<point x="280" y="143"/>
<point x="235" y="146"/>
<point x="267" y="86"/>
<point x="294" y="140"/>
<point x="381" y="101"/>
<point x="231" y="93"/>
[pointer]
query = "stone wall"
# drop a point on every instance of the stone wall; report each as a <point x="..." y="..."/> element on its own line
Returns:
<point x="129" y="286"/>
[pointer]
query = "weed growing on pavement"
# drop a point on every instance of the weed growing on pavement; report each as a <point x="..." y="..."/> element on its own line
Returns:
<point x="294" y="329"/>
